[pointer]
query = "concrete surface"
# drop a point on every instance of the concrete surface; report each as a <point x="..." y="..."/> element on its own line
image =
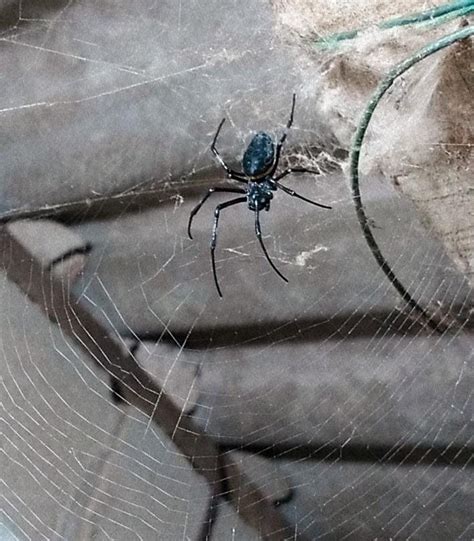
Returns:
<point x="75" y="466"/>
<point x="326" y="369"/>
<point x="102" y="98"/>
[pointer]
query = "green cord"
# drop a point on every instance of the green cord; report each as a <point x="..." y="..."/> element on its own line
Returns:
<point x="433" y="13"/>
<point x="442" y="19"/>
<point x="437" y="15"/>
<point x="356" y="148"/>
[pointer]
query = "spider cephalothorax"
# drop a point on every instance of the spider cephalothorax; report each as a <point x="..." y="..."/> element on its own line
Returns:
<point x="259" y="194"/>
<point x="259" y="164"/>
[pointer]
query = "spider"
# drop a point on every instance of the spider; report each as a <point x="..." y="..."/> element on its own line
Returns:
<point x="259" y="164"/>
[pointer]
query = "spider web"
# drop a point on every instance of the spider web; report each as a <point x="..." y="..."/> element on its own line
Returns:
<point x="362" y="413"/>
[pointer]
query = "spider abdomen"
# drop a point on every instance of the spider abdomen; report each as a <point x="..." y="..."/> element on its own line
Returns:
<point x="259" y="155"/>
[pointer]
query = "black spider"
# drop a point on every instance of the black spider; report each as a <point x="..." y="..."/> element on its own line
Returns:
<point x="259" y="165"/>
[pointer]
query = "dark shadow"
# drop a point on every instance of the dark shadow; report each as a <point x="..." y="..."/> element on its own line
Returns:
<point x="8" y="15"/>
<point x="353" y="326"/>
<point x="30" y="10"/>
<point x="403" y="455"/>
<point x="144" y="196"/>
<point x="205" y="532"/>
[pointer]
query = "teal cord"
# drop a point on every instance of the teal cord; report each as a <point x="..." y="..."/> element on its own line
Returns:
<point x="437" y="15"/>
<point x="356" y="149"/>
<point x="442" y="19"/>
<point x="433" y="13"/>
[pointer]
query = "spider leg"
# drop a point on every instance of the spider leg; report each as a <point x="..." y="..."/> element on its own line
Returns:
<point x="214" y="235"/>
<point x="258" y="231"/>
<point x="205" y="198"/>
<point x="290" y="120"/>
<point x="235" y="175"/>
<point x="283" y="137"/>
<point x="295" y="194"/>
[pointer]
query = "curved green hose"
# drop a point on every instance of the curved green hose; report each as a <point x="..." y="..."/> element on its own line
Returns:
<point x="437" y="15"/>
<point x="356" y="148"/>
<point x="428" y="14"/>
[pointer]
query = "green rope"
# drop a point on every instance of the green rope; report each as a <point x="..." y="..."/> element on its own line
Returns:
<point x="442" y="19"/>
<point x="356" y="149"/>
<point x="437" y="15"/>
